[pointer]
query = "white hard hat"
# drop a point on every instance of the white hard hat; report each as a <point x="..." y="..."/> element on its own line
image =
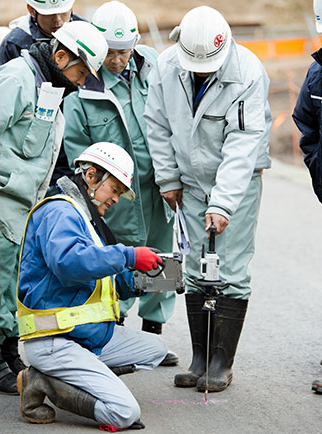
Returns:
<point x="203" y="40"/>
<point x="114" y="160"/>
<point x="118" y="24"/>
<point x="51" y="7"/>
<point x="85" y="41"/>
<point x="317" y="6"/>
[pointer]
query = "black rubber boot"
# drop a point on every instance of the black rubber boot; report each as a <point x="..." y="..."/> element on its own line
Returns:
<point x="197" y="319"/>
<point x="9" y="352"/>
<point x="152" y="326"/>
<point x="8" y="381"/>
<point x="34" y="386"/>
<point x="317" y="386"/>
<point x="171" y="359"/>
<point x="226" y="329"/>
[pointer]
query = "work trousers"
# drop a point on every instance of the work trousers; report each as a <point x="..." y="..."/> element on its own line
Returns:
<point x="65" y="359"/>
<point x="154" y="307"/>
<point x="234" y="246"/>
<point x="9" y="257"/>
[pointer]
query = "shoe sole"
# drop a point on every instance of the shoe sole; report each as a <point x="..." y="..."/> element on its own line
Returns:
<point x="170" y="363"/>
<point x="216" y="388"/>
<point x="9" y="393"/>
<point x="316" y="388"/>
<point x="29" y="419"/>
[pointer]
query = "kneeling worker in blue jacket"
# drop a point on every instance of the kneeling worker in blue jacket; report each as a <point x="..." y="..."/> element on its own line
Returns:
<point x="70" y="277"/>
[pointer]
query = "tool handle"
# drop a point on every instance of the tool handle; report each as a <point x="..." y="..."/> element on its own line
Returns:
<point x="212" y="230"/>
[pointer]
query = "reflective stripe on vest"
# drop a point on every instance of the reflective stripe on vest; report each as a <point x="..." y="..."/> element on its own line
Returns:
<point x="101" y="306"/>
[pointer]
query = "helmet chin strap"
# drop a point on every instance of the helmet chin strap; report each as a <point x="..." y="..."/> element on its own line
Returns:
<point x="93" y="190"/>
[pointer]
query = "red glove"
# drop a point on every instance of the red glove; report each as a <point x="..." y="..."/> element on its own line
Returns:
<point x="146" y="259"/>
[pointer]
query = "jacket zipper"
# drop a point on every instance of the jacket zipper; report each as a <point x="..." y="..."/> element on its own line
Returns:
<point x="207" y="88"/>
<point x="241" y="118"/>
<point x="184" y="89"/>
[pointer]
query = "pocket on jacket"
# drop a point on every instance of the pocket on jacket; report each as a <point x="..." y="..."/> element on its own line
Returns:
<point x="102" y="120"/>
<point x="143" y="92"/>
<point x="106" y="127"/>
<point x="20" y="186"/>
<point x="36" y="138"/>
<point x="213" y="117"/>
<point x="211" y="129"/>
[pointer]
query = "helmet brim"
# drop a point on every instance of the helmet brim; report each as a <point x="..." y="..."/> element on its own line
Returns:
<point x="54" y="11"/>
<point x="121" y="45"/>
<point x="201" y="65"/>
<point x="129" y="194"/>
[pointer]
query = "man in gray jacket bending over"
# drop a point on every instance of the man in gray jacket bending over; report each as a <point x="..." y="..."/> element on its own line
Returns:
<point x="208" y="126"/>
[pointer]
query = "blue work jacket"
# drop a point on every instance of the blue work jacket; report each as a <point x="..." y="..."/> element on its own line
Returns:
<point x="307" y="116"/>
<point x="60" y="265"/>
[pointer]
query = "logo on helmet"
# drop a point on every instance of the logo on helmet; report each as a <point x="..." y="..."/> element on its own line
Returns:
<point x="219" y="39"/>
<point x="119" y="33"/>
<point x="53" y="2"/>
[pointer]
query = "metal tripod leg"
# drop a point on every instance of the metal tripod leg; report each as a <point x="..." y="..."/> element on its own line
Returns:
<point x="210" y="307"/>
<point x="207" y="358"/>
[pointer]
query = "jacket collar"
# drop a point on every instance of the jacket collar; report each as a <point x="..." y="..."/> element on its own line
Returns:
<point x="34" y="66"/>
<point x="67" y="186"/>
<point x="230" y="70"/>
<point x="138" y="64"/>
<point x="317" y="56"/>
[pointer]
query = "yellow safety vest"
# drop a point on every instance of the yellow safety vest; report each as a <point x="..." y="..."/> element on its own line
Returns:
<point x="101" y="306"/>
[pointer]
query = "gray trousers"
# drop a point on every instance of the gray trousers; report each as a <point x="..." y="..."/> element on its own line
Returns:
<point x="235" y="245"/>
<point x="65" y="359"/>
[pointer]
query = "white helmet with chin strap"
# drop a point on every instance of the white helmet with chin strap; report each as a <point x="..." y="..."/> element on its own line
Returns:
<point x="85" y="41"/>
<point x="114" y="160"/>
<point x="317" y="6"/>
<point x="51" y="7"/>
<point x="203" y="40"/>
<point x="118" y="25"/>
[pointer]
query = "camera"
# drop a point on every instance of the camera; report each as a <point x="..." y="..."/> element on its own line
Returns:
<point x="167" y="277"/>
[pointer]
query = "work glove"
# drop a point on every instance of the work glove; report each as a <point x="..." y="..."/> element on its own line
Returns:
<point x="146" y="259"/>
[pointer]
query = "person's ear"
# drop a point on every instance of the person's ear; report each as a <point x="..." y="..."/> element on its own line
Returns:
<point x="31" y="11"/>
<point x="91" y="176"/>
<point x="61" y="58"/>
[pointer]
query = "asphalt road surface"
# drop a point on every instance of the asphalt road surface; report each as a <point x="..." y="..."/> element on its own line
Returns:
<point x="279" y="350"/>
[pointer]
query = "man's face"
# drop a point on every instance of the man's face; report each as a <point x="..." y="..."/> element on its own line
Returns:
<point x="116" y="60"/>
<point x="203" y="74"/>
<point x="50" y="23"/>
<point x="77" y="73"/>
<point x="108" y="193"/>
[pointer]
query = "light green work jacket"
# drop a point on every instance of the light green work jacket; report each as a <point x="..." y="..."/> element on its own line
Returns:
<point x="115" y="115"/>
<point x="28" y="146"/>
